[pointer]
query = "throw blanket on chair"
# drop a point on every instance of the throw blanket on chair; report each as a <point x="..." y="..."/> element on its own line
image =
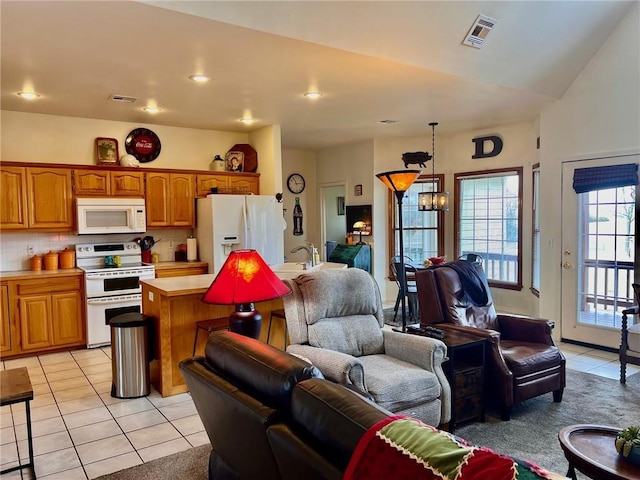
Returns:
<point x="401" y="447"/>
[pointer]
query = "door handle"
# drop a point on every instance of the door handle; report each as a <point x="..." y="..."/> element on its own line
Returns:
<point x="567" y="265"/>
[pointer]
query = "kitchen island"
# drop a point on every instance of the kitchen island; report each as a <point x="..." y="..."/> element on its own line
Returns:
<point x="175" y="304"/>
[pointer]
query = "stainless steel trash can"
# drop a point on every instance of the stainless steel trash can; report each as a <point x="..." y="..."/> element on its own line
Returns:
<point x="130" y="356"/>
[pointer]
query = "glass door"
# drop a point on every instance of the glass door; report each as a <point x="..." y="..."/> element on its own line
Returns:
<point x="599" y="256"/>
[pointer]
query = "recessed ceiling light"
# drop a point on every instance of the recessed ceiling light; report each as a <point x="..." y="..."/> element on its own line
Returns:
<point x="313" y="95"/>
<point x="247" y="120"/>
<point x="199" y="78"/>
<point x="28" y="95"/>
<point x="152" y="109"/>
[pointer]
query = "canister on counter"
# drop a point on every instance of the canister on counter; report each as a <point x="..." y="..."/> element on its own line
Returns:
<point x="35" y="263"/>
<point x="51" y="261"/>
<point x="67" y="258"/>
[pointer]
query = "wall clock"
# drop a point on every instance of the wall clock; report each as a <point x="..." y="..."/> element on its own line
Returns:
<point x="143" y="144"/>
<point x="295" y="183"/>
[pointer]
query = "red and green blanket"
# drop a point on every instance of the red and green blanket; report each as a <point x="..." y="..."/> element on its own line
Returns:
<point x="401" y="447"/>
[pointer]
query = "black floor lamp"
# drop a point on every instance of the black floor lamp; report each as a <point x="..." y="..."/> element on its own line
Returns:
<point x="399" y="182"/>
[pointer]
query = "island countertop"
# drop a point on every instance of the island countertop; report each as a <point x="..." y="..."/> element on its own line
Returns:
<point x="178" y="286"/>
<point x="198" y="284"/>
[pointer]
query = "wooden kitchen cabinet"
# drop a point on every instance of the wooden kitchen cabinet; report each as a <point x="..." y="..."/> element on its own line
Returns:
<point x="205" y="182"/>
<point x="13" y="208"/>
<point x="105" y="183"/>
<point x="244" y="185"/>
<point x="49" y="314"/>
<point x="6" y="337"/>
<point x="127" y="184"/>
<point x="234" y="183"/>
<point x="49" y="199"/>
<point x="180" y="269"/>
<point x="36" y="199"/>
<point x="170" y="200"/>
<point x="87" y="183"/>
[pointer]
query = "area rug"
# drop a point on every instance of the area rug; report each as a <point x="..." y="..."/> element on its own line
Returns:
<point x="531" y="434"/>
<point x="388" y="318"/>
<point x="191" y="464"/>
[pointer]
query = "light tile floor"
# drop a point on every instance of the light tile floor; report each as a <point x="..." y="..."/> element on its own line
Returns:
<point x="81" y="432"/>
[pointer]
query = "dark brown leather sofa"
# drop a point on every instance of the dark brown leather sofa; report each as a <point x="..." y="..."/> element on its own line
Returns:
<point x="270" y="415"/>
<point x="522" y="358"/>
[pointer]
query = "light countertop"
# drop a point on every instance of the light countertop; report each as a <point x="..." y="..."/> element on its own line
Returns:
<point x="198" y="284"/>
<point x="30" y="274"/>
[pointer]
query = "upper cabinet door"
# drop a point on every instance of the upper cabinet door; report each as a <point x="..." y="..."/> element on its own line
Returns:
<point x="50" y="198"/>
<point x="13" y="208"/>
<point x="244" y="184"/>
<point x="158" y="200"/>
<point x="127" y="184"/>
<point x="182" y="200"/>
<point x="205" y="182"/>
<point x="91" y="183"/>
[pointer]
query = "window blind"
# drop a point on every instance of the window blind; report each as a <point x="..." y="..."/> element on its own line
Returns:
<point x="610" y="176"/>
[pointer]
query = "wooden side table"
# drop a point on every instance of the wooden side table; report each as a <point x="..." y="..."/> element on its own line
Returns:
<point x="591" y="450"/>
<point x="465" y="371"/>
<point x="15" y="387"/>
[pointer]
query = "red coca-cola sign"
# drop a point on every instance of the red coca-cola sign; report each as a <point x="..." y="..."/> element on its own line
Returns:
<point x="143" y="144"/>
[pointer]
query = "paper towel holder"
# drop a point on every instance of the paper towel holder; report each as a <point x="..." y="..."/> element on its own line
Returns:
<point x="192" y="249"/>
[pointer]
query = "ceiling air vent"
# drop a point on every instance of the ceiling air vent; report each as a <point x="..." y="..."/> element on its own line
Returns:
<point x="479" y="31"/>
<point x="122" y="98"/>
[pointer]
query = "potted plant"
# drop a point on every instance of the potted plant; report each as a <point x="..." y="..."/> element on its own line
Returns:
<point x="628" y="444"/>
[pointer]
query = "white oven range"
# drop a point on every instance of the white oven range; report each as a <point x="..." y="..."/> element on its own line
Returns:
<point x="112" y="273"/>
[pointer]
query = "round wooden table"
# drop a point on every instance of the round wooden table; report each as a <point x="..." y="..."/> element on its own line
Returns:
<point x="591" y="449"/>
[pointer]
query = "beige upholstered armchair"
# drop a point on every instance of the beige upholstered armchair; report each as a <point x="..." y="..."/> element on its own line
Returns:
<point x="630" y="341"/>
<point x="335" y="320"/>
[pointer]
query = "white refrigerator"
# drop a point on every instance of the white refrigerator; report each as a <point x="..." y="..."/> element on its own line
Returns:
<point x="234" y="222"/>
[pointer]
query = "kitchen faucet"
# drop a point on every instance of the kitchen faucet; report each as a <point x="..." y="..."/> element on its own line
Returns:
<point x="309" y="250"/>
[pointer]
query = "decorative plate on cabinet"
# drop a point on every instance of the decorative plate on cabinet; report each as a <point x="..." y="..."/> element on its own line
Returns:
<point x="250" y="156"/>
<point x="143" y="144"/>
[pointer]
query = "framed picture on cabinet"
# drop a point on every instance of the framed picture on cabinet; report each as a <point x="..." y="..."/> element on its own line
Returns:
<point x="235" y="161"/>
<point x="340" y="205"/>
<point x="106" y="151"/>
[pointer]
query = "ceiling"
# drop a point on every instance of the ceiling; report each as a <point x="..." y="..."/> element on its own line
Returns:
<point x="373" y="61"/>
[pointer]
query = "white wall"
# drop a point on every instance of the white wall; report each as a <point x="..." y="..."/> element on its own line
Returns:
<point x="304" y="163"/>
<point x="31" y="137"/>
<point x="599" y="115"/>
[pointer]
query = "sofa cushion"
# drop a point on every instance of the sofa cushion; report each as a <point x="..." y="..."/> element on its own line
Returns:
<point x="524" y="358"/>
<point x="397" y="385"/>
<point x="354" y="335"/>
<point x="633" y="339"/>
<point x="270" y="374"/>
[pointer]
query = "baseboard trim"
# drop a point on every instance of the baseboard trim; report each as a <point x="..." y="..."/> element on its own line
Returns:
<point x="590" y="345"/>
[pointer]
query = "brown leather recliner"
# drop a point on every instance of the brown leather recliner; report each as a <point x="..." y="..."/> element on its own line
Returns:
<point x="522" y="358"/>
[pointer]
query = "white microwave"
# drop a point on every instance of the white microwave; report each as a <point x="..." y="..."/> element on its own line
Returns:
<point x="111" y="215"/>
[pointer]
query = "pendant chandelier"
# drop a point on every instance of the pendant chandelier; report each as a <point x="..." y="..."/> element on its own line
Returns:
<point x="433" y="201"/>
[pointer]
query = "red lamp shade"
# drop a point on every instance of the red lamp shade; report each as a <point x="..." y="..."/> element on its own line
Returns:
<point x="245" y="278"/>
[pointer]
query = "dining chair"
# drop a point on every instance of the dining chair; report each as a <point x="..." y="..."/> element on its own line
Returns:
<point x="411" y="289"/>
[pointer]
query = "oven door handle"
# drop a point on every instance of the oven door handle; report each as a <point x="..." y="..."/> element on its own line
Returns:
<point x="106" y="301"/>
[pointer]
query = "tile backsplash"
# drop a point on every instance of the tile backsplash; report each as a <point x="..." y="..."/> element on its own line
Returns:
<point x="14" y="246"/>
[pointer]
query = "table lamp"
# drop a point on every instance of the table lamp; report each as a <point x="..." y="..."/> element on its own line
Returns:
<point x="245" y="278"/>
<point x="360" y="225"/>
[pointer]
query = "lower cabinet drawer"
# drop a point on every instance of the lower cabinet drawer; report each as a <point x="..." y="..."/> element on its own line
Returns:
<point x="468" y="407"/>
<point x="468" y="382"/>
